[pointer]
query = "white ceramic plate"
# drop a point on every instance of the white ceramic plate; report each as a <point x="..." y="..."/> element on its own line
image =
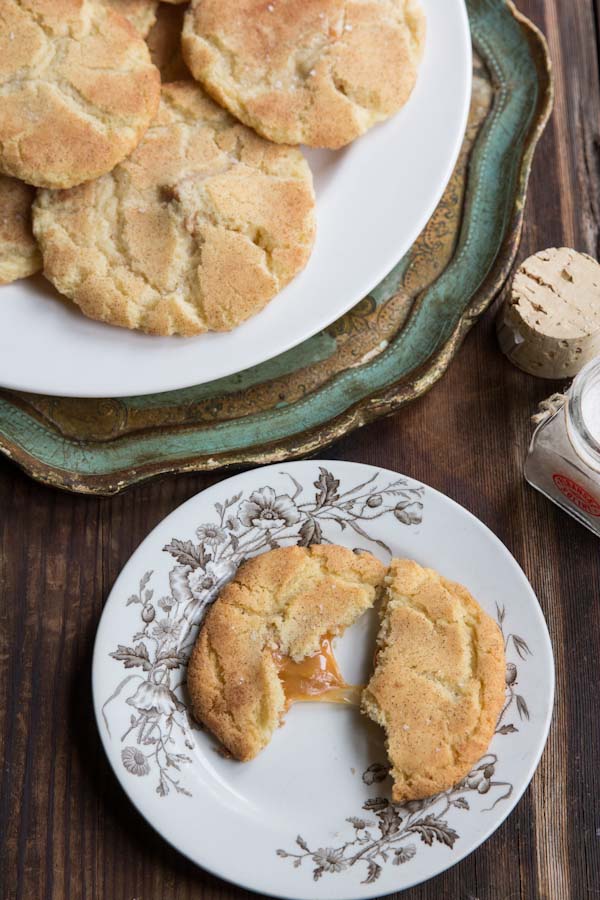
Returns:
<point x="373" y="199"/>
<point x="310" y="817"/>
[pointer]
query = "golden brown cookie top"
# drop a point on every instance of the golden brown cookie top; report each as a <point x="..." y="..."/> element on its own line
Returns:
<point x="77" y="90"/>
<point x="19" y="253"/>
<point x="319" y="72"/>
<point x="438" y="684"/>
<point x="280" y="603"/>
<point x="197" y="230"/>
<point x="141" y="13"/>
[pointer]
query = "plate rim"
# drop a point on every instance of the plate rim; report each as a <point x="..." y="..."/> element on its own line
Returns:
<point x="536" y="610"/>
<point x="25" y="384"/>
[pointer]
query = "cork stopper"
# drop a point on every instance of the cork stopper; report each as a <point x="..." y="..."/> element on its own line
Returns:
<point x="550" y="323"/>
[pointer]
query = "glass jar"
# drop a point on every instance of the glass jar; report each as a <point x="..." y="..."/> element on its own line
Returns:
<point x="564" y="456"/>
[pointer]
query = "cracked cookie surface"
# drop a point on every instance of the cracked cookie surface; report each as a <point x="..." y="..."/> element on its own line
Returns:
<point x="283" y="601"/>
<point x="19" y="252"/>
<point x="438" y="685"/>
<point x="197" y="230"/>
<point x="77" y="90"/>
<point x="141" y="13"/>
<point x="318" y="72"/>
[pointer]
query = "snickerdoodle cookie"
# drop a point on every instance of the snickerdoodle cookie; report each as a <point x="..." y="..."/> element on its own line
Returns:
<point x="438" y="684"/>
<point x="197" y="230"/>
<point x="280" y="604"/>
<point x="77" y="90"/>
<point x="19" y="253"/>
<point x="319" y="72"/>
<point x="164" y="42"/>
<point x="141" y="13"/>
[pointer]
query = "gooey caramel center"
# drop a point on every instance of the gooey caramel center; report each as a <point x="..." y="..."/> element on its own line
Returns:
<point x="317" y="679"/>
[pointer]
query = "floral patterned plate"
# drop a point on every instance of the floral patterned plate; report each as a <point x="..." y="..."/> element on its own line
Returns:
<point x="311" y="817"/>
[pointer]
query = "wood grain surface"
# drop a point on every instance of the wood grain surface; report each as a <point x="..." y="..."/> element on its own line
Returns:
<point x="66" y="829"/>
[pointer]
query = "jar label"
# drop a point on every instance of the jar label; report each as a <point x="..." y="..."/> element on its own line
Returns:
<point x="577" y="494"/>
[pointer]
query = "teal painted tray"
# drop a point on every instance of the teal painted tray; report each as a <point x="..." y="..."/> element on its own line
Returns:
<point x="386" y="351"/>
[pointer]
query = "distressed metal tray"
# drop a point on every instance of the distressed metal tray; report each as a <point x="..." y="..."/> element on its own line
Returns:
<point x="386" y="351"/>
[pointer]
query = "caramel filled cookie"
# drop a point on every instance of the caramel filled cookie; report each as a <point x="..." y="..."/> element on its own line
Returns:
<point x="279" y="608"/>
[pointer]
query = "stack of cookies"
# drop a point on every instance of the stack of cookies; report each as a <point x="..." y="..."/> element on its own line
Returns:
<point x="186" y="206"/>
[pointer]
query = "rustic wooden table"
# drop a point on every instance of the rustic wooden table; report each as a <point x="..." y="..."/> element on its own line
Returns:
<point x="66" y="829"/>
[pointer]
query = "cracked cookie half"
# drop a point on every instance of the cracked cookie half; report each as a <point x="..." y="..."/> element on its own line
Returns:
<point x="196" y="231"/>
<point x="438" y="685"/>
<point x="272" y="616"/>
